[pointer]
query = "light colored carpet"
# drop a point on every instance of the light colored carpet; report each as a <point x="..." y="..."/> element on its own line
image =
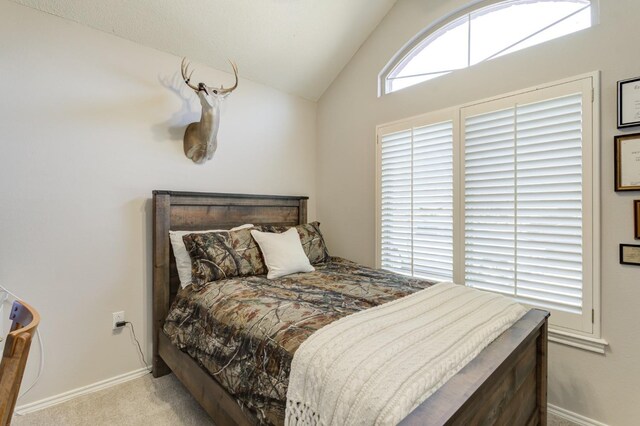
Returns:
<point x="143" y="401"/>
<point x="139" y="402"/>
<point x="557" y="421"/>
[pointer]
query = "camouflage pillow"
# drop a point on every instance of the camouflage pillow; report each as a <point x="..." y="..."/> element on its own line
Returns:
<point x="311" y="239"/>
<point x="219" y="255"/>
<point x="211" y="257"/>
<point x="250" y="261"/>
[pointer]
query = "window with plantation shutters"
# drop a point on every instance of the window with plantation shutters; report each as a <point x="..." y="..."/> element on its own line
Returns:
<point x="503" y="197"/>
<point x="527" y="191"/>
<point x="416" y="201"/>
<point x="432" y="218"/>
<point x="523" y="202"/>
<point x="396" y="190"/>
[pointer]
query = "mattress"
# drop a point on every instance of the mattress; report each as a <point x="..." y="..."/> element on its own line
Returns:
<point x="244" y="331"/>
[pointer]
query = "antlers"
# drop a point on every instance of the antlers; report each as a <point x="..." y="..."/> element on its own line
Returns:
<point x="184" y="67"/>
<point x="186" y="76"/>
<point x="235" y="73"/>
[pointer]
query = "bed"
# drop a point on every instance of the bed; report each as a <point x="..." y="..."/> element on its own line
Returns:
<point x="505" y="383"/>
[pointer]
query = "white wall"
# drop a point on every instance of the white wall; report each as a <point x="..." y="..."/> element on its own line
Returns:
<point x="605" y="388"/>
<point x="90" y="124"/>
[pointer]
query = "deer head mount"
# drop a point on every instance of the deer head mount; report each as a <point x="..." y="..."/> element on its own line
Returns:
<point x="201" y="138"/>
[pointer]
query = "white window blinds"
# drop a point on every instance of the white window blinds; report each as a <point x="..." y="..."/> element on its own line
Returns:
<point x="416" y="201"/>
<point x="501" y="195"/>
<point x="523" y="213"/>
<point x="396" y="234"/>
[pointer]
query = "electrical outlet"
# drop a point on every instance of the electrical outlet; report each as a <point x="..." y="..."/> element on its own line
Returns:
<point x="117" y="317"/>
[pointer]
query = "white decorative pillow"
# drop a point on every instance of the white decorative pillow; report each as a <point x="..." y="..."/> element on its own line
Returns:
<point x="183" y="261"/>
<point x="283" y="253"/>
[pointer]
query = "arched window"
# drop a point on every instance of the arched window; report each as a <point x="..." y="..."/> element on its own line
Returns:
<point x="483" y="34"/>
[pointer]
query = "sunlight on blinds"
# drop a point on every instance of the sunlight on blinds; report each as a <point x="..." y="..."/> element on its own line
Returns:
<point x="396" y="238"/>
<point x="417" y="201"/>
<point x="490" y="202"/>
<point x="523" y="202"/>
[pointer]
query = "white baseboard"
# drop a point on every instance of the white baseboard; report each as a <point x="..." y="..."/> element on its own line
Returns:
<point x="104" y="384"/>
<point x="74" y="393"/>
<point x="573" y="417"/>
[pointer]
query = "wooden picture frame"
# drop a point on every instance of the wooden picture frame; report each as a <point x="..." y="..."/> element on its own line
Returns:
<point x="627" y="162"/>
<point x="629" y="103"/>
<point x="629" y="254"/>
<point x="636" y="219"/>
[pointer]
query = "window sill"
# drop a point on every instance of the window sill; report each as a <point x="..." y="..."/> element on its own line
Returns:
<point x="591" y="344"/>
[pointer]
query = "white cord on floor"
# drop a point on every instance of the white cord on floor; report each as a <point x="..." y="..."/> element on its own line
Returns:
<point x="41" y="366"/>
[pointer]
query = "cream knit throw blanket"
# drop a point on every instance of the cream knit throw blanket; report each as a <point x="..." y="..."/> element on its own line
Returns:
<point x="375" y="366"/>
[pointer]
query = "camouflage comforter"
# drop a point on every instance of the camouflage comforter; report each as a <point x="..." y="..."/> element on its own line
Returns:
<point x="245" y="330"/>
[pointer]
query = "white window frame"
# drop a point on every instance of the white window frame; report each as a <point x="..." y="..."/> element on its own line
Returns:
<point x="410" y="123"/>
<point x="588" y="84"/>
<point x="437" y="26"/>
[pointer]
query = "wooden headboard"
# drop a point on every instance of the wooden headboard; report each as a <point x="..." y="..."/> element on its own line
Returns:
<point x="192" y="211"/>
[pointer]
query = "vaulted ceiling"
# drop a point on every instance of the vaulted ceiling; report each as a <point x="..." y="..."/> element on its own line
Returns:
<point x="298" y="46"/>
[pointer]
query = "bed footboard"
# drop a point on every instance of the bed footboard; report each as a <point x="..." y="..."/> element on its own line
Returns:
<point x="506" y="384"/>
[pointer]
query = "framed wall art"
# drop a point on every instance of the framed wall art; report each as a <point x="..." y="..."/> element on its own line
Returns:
<point x="636" y="219"/>
<point x="627" y="162"/>
<point x="629" y="103"/>
<point x="629" y="254"/>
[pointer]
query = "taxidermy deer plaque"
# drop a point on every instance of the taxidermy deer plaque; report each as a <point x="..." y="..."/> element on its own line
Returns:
<point x="201" y="138"/>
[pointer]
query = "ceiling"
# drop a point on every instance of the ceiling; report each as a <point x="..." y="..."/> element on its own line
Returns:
<point x="298" y="46"/>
